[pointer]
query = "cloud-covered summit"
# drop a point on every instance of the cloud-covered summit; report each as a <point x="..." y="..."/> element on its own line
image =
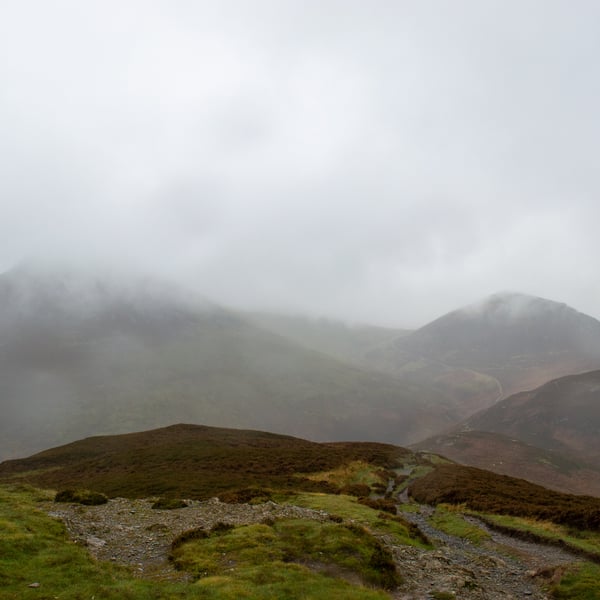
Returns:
<point x="331" y="158"/>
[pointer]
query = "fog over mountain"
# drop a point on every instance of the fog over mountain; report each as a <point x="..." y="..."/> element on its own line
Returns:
<point x="85" y="353"/>
<point x="383" y="164"/>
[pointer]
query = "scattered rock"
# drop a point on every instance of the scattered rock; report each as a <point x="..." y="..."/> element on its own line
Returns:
<point x="130" y="532"/>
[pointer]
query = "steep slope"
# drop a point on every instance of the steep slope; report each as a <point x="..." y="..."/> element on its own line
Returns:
<point x="88" y="355"/>
<point x="562" y="415"/>
<point x="509" y="456"/>
<point x="521" y="341"/>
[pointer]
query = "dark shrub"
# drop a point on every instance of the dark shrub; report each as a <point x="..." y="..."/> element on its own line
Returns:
<point x="187" y="536"/>
<point x="356" y="489"/>
<point x="245" y="496"/>
<point x="220" y="528"/>
<point x="169" y="504"/>
<point x="383" y="563"/>
<point x="85" y="497"/>
<point x="384" y="504"/>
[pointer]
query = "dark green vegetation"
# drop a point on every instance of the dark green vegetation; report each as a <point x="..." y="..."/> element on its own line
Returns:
<point x="256" y="551"/>
<point x="85" y="497"/>
<point x="35" y="549"/>
<point x="579" y="583"/>
<point x="192" y="461"/>
<point x="491" y="493"/>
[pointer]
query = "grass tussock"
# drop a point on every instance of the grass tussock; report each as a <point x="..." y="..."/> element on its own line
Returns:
<point x="376" y="521"/>
<point x="326" y="547"/>
<point x="578" y="540"/>
<point x="35" y="548"/>
<point x="86" y="497"/>
<point x="580" y="582"/>
<point x="169" y="504"/>
<point x="499" y="494"/>
<point x="452" y="523"/>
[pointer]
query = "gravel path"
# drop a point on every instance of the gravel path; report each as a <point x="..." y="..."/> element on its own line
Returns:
<point x="501" y="568"/>
<point x="130" y="532"/>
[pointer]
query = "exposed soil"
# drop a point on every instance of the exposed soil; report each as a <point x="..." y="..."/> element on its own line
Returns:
<point x="130" y="532"/>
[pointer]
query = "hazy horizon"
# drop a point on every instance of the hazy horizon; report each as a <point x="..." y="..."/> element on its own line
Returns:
<point x="379" y="164"/>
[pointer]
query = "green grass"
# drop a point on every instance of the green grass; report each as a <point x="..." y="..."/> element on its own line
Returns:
<point x="355" y="472"/>
<point x="589" y="541"/>
<point x="35" y="548"/>
<point x="349" y="508"/>
<point x="581" y="582"/>
<point x="266" y="552"/>
<point x="452" y="523"/>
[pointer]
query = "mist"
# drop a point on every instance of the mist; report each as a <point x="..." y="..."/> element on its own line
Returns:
<point x="382" y="164"/>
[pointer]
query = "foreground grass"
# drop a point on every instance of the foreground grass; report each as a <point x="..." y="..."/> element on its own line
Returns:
<point x="589" y="541"/>
<point x="273" y="554"/>
<point x="348" y="508"/>
<point x="581" y="582"/>
<point x="35" y="548"/>
<point x="451" y="522"/>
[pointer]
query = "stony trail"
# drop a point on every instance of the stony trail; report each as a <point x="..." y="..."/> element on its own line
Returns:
<point x="130" y="532"/>
<point x="500" y="568"/>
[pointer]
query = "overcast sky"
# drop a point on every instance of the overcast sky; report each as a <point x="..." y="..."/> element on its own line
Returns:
<point x="382" y="161"/>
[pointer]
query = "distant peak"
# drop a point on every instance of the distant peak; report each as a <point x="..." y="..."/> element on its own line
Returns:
<point x="511" y="305"/>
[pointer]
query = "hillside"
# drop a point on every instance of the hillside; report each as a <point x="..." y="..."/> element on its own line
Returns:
<point x="562" y="415"/>
<point x="348" y="342"/>
<point x="509" y="456"/>
<point x="521" y="341"/>
<point x="280" y="526"/>
<point x="194" y="461"/>
<point x="84" y="355"/>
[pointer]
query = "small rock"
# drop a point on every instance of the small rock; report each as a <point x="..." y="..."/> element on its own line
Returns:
<point x="95" y="542"/>
<point x="34" y="585"/>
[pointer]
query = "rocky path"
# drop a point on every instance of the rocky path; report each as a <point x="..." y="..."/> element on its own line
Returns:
<point x="130" y="532"/>
<point x="502" y="568"/>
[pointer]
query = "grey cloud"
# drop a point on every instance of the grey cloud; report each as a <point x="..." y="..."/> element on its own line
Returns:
<point x="383" y="162"/>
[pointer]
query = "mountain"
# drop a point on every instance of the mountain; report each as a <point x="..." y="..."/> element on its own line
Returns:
<point x="562" y="415"/>
<point x="549" y="435"/>
<point x="83" y="354"/>
<point x="518" y="340"/>
<point x="348" y="342"/>
<point x="194" y="461"/>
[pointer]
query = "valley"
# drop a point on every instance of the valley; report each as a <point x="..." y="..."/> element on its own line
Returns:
<point x="299" y="476"/>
